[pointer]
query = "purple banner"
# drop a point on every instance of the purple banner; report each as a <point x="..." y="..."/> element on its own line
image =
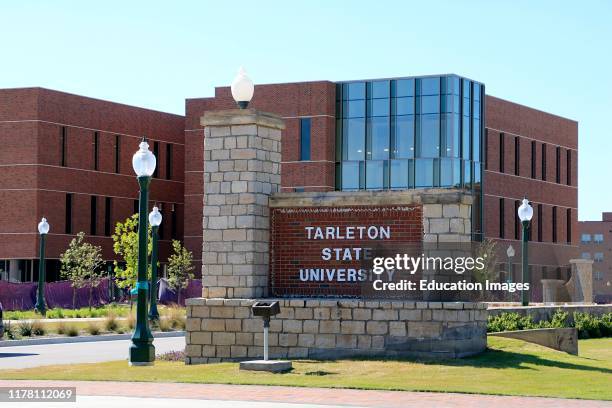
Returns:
<point x="168" y="295"/>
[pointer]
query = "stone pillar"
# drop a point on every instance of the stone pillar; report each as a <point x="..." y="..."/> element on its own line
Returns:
<point x="580" y="285"/>
<point x="550" y="290"/>
<point x="242" y="156"/>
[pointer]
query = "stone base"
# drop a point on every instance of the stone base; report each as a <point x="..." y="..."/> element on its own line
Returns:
<point x="225" y="329"/>
<point x="272" y="366"/>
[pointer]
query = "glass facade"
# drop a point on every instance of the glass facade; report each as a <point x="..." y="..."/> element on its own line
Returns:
<point x="406" y="133"/>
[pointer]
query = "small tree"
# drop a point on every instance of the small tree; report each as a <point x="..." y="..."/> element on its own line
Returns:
<point x="125" y="244"/>
<point x="81" y="265"/>
<point x="180" y="268"/>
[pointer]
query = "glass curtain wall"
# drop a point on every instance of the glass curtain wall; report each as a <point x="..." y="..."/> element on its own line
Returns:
<point x="405" y="133"/>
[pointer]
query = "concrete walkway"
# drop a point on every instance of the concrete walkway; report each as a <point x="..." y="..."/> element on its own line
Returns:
<point x="308" y="396"/>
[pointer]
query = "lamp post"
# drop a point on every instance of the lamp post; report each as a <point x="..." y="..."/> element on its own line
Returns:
<point x="155" y="219"/>
<point x="142" y="351"/>
<point x="525" y="212"/>
<point x="43" y="230"/>
<point x="510" y="252"/>
<point x="242" y="89"/>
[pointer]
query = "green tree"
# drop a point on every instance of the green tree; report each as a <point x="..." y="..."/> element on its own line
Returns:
<point x="125" y="244"/>
<point x="82" y="266"/>
<point x="180" y="268"/>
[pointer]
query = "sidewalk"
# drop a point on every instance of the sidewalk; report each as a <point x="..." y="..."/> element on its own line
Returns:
<point x="296" y="395"/>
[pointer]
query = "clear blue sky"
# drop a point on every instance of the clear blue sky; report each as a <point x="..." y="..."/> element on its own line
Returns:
<point x="551" y="55"/>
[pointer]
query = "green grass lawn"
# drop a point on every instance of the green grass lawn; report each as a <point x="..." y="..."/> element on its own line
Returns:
<point x="509" y="367"/>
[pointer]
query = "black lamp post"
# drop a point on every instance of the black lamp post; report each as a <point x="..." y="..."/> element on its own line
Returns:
<point x="43" y="230"/>
<point x="142" y="351"/>
<point x="525" y="213"/>
<point x="155" y="219"/>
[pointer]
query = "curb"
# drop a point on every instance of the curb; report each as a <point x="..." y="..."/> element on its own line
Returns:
<point x="83" y="339"/>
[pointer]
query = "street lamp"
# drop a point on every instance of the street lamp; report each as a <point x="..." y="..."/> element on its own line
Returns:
<point x="142" y="351"/>
<point x="525" y="212"/>
<point x="43" y="230"/>
<point x="155" y="219"/>
<point x="510" y="252"/>
<point x="242" y="89"/>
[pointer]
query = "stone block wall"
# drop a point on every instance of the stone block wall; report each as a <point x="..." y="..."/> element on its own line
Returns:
<point x="242" y="155"/>
<point x="225" y="329"/>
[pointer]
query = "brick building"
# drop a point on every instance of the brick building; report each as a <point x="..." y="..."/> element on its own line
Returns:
<point x="68" y="158"/>
<point x="596" y="244"/>
<point x="356" y="135"/>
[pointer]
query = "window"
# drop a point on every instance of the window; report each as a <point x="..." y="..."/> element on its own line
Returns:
<point x="404" y="136"/>
<point x="517" y="222"/>
<point x="169" y="162"/>
<point x="568" y="225"/>
<point x="585" y="238"/>
<point x="156" y="154"/>
<point x="63" y="143"/>
<point x="304" y="153"/>
<point x="598" y="238"/>
<point x="501" y="218"/>
<point x="136" y="207"/>
<point x="68" y="224"/>
<point x="517" y="155"/>
<point x="599" y="257"/>
<point x="401" y="174"/>
<point x="501" y="153"/>
<point x="598" y="275"/>
<point x="160" y="229"/>
<point x="96" y="144"/>
<point x="428" y="140"/>
<point x="540" y="231"/>
<point x="173" y="222"/>
<point x="533" y="159"/>
<point x="107" y="216"/>
<point x="554" y="224"/>
<point x="586" y="255"/>
<point x="568" y="164"/>
<point x="375" y="174"/>
<point x="93" y="215"/>
<point x="544" y="162"/>
<point x="117" y="153"/>
<point x="558" y="165"/>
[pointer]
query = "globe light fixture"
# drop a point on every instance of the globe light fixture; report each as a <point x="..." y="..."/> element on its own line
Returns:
<point x="525" y="213"/>
<point x="142" y="351"/>
<point x="242" y="89"/>
<point x="155" y="219"/>
<point x="43" y="230"/>
<point x="510" y="251"/>
<point x="144" y="161"/>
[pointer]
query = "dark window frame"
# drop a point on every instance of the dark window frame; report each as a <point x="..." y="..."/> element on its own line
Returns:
<point x="117" y="154"/>
<point x="501" y="152"/>
<point x="568" y="225"/>
<point x="568" y="165"/>
<point x="517" y="222"/>
<point x="543" y="161"/>
<point x="96" y="151"/>
<point x="68" y="213"/>
<point x="540" y="231"/>
<point x="156" y="154"/>
<point x="173" y="221"/>
<point x="169" y="161"/>
<point x="306" y="139"/>
<point x="63" y="145"/>
<point x="93" y="215"/>
<point x="485" y="149"/>
<point x="517" y="156"/>
<point x="108" y="212"/>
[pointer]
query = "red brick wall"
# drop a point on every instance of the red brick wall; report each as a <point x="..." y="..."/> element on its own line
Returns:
<point x="33" y="183"/>
<point x="291" y="249"/>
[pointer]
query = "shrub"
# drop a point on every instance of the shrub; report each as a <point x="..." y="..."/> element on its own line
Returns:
<point x="131" y="321"/>
<point x="93" y="329"/>
<point x="110" y="323"/>
<point x="61" y="328"/>
<point x="164" y="325"/>
<point x="10" y="332"/>
<point x="606" y="325"/>
<point x="37" y="328"/>
<point x="587" y="325"/>
<point x="510" y="322"/>
<point x="25" y="329"/>
<point x="175" y="316"/>
<point x="55" y="313"/>
<point x="172" y="356"/>
<point x="72" y="330"/>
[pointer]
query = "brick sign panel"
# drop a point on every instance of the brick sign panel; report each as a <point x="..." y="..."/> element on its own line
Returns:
<point x="328" y="251"/>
